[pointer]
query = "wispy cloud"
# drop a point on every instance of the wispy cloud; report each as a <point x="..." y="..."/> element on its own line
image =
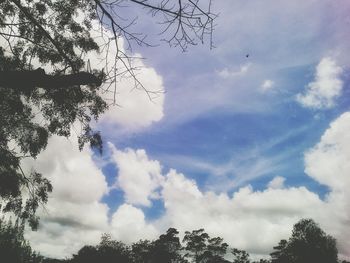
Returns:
<point x="228" y="73"/>
<point x="243" y="166"/>
<point x="267" y="85"/>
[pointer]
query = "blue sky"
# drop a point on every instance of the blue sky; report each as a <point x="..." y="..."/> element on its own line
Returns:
<point x="243" y="124"/>
<point x="238" y="145"/>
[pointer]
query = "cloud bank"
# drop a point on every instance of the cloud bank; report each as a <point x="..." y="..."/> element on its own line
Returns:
<point x="75" y="214"/>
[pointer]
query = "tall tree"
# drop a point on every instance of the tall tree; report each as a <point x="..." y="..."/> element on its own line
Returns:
<point x="56" y="35"/>
<point x="308" y="243"/>
<point x="280" y="254"/>
<point x="168" y="249"/>
<point x="203" y="249"/>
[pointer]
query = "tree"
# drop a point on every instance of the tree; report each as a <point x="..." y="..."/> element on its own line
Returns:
<point x="44" y="50"/>
<point x="108" y="251"/>
<point x="280" y="255"/>
<point x="262" y="261"/>
<point x="167" y="248"/>
<point x="142" y="251"/>
<point x="13" y="247"/>
<point x="240" y="256"/>
<point x="87" y="254"/>
<point x="308" y="243"/>
<point x="201" y="248"/>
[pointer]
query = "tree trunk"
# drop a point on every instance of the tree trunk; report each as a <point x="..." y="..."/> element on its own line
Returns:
<point x="38" y="78"/>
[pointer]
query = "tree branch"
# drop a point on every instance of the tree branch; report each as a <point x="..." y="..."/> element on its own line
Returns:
<point x="47" y="35"/>
<point x="38" y="78"/>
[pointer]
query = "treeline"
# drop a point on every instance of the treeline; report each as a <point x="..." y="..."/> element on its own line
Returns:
<point x="307" y="244"/>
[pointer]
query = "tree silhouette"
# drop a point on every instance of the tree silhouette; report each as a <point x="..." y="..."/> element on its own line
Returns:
<point x="13" y="247"/>
<point x="308" y="243"/>
<point x="280" y="255"/>
<point x="167" y="248"/>
<point x="142" y="251"/>
<point x="108" y="251"/>
<point x="47" y="83"/>
<point x="240" y="256"/>
<point x="197" y="247"/>
<point x="201" y="248"/>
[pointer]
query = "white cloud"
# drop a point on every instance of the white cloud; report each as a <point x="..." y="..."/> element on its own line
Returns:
<point x="128" y="224"/>
<point x="270" y="212"/>
<point x="277" y="182"/>
<point x="237" y="218"/>
<point x="135" y="109"/>
<point x="136" y="106"/>
<point x="329" y="163"/>
<point x="227" y="73"/>
<point x="74" y="214"/>
<point x="325" y="89"/>
<point x="267" y="85"/>
<point x="138" y="176"/>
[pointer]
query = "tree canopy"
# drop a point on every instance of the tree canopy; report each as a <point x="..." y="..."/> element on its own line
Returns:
<point x="47" y="83"/>
<point x="308" y="243"/>
<point x="13" y="247"/>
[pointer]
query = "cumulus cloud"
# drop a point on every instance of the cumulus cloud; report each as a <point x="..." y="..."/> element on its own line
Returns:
<point x="129" y="224"/>
<point x="138" y="176"/>
<point x="72" y="220"/>
<point x="239" y="217"/>
<point x="137" y="106"/>
<point x="329" y="163"/>
<point x="74" y="214"/>
<point x="327" y="86"/>
<point x="272" y="211"/>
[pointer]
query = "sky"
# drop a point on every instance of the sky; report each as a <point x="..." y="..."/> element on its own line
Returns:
<point x="243" y="147"/>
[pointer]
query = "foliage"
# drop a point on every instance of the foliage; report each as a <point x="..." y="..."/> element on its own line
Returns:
<point x="197" y="247"/>
<point x="201" y="248"/>
<point x="308" y="243"/>
<point x="57" y="35"/>
<point x="240" y="256"/>
<point x="167" y="248"/>
<point x="13" y="247"/>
